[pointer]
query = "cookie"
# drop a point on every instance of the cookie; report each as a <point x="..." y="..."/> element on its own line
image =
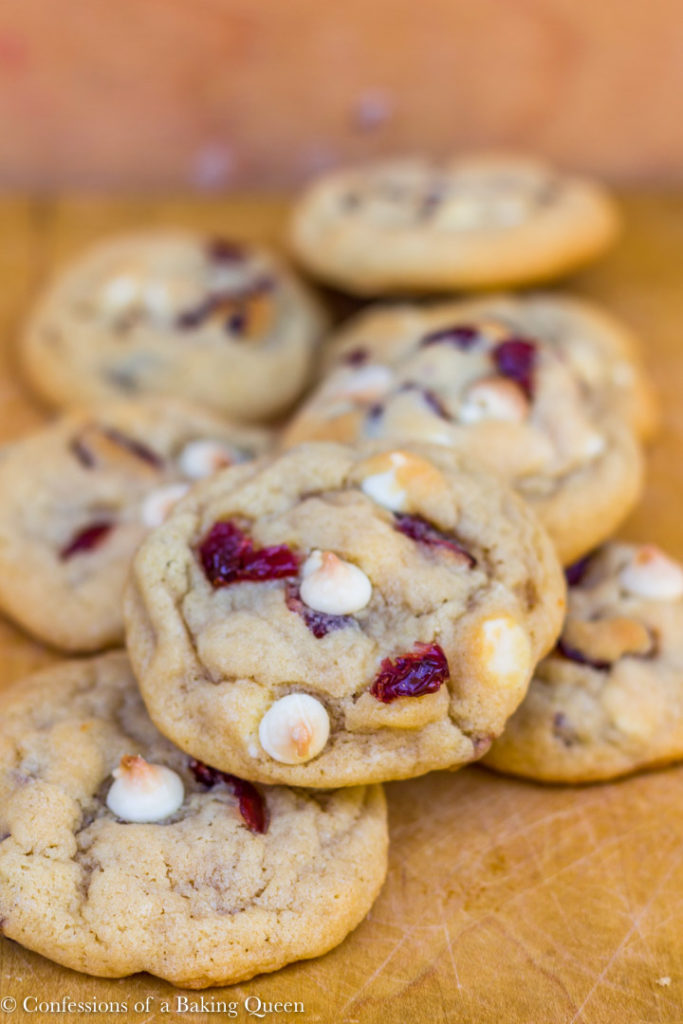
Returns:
<point x="78" y="496"/>
<point x="118" y="854"/>
<point x="609" y="700"/>
<point x="496" y="380"/>
<point x="334" y="616"/>
<point x="177" y="315"/>
<point x="485" y="221"/>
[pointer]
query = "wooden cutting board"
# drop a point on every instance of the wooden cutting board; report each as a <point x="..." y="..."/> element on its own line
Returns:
<point x="506" y="902"/>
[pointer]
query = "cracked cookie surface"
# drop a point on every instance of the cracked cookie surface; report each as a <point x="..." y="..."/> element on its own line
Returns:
<point x="608" y="701"/>
<point x="483" y="221"/>
<point x="512" y="383"/>
<point x="78" y="496"/>
<point x="178" y="315"/>
<point x="199" y="898"/>
<point x="403" y="601"/>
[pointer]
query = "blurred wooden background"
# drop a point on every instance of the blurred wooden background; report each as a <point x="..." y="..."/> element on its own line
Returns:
<point x="211" y="94"/>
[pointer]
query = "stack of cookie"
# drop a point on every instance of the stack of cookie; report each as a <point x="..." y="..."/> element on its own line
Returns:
<point x="368" y="591"/>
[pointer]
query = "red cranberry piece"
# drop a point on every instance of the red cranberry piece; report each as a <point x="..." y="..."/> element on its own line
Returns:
<point x="575" y="573"/>
<point x="79" y="447"/>
<point x="563" y="729"/>
<point x="82" y="453"/>
<point x="422" y="532"/>
<point x="319" y="623"/>
<point x="515" y="358"/>
<point x="356" y="357"/>
<point x="86" y="540"/>
<point x="195" y="317"/>
<point x="431" y="399"/>
<point x="236" y="322"/>
<point x="137" y="448"/>
<point x="222" y="250"/>
<point x="463" y="336"/>
<point x="252" y="806"/>
<point x="422" y="670"/>
<point x="228" y="556"/>
<point x="572" y="654"/>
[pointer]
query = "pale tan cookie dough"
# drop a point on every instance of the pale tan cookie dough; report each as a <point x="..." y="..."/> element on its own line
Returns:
<point x="359" y="592"/>
<point x="490" y="379"/>
<point x="233" y="882"/>
<point x="179" y="315"/>
<point x="78" y="496"/>
<point x="610" y="699"/>
<point x="483" y="221"/>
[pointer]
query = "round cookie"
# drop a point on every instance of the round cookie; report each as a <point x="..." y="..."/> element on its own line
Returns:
<point x="78" y="496"/>
<point x="484" y="221"/>
<point x="177" y="315"/>
<point x="334" y="615"/>
<point x="491" y="379"/>
<point x="230" y="882"/>
<point x="609" y="700"/>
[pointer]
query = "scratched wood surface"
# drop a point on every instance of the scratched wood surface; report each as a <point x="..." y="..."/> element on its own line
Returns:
<point x="506" y="902"/>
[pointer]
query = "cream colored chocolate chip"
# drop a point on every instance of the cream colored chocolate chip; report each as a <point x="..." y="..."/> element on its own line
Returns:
<point x="607" y="639"/>
<point x="494" y="398"/>
<point x="157" y="505"/>
<point x="332" y="585"/>
<point x="120" y="293"/>
<point x="200" y="459"/>
<point x="504" y="653"/>
<point x="362" y="385"/>
<point x="144" y="792"/>
<point x="294" y="729"/>
<point x="403" y="482"/>
<point x="383" y="487"/>
<point x="650" y="574"/>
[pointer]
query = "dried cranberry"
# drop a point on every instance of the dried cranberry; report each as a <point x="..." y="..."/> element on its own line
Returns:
<point x="463" y="336"/>
<point x="141" y="451"/>
<point x="195" y="317"/>
<point x="86" y="539"/>
<point x="229" y="556"/>
<point x="422" y="532"/>
<point x="82" y="453"/>
<point x="515" y="358"/>
<point x="79" y="447"/>
<point x="563" y="729"/>
<point x="319" y="623"/>
<point x="236" y="322"/>
<point x="356" y="357"/>
<point x="222" y="250"/>
<point x="575" y="573"/>
<point x="422" y="670"/>
<point x="572" y="654"/>
<point x="430" y="398"/>
<point x="252" y="806"/>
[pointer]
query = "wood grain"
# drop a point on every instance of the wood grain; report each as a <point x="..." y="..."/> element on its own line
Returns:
<point x="216" y="93"/>
<point x="506" y="903"/>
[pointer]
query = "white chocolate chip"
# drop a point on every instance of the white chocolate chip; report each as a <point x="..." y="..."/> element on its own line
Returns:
<point x="294" y="729"/>
<point x="593" y="445"/>
<point x="144" y="792"/>
<point x="157" y="300"/>
<point x="384" y="488"/>
<point x="200" y="459"/>
<point x="650" y="574"/>
<point x="504" y="653"/>
<point x="332" y="585"/>
<point x="364" y="384"/>
<point x="494" y="398"/>
<point x="157" y="505"/>
<point x="120" y="292"/>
